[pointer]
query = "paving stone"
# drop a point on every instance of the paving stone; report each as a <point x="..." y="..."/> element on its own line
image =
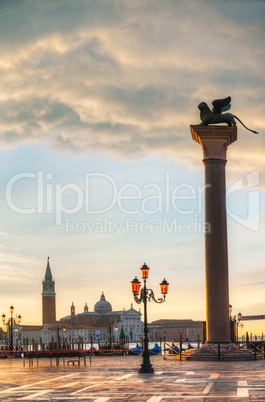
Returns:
<point x="117" y="379"/>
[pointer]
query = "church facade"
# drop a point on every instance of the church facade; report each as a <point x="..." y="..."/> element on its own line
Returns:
<point x="104" y="316"/>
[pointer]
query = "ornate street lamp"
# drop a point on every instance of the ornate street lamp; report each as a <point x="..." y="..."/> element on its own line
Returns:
<point x="113" y="328"/>
<point x="232" y="324"/>
<point x="147" y="294"/>
<point x="239" y="323"/>
<point x="116" y="328"/>
<point x="58" y="336"/>
<point x="11" y="322"/>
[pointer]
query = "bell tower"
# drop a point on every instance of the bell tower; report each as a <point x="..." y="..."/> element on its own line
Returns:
<point x="72" y="310"/>
<point x="48" y="297"/>
<point x="73" y="317"/>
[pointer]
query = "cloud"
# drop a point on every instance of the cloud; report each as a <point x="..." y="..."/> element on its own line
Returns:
<point x="125" y="78"/>
<point x="18" y="272"/>
<point x="260" y="283"/>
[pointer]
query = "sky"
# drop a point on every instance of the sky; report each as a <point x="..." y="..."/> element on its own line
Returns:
<point x="98" y="168"/>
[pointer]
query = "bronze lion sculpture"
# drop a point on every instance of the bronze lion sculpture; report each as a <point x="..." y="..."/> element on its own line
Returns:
<point x="216" y="117"/>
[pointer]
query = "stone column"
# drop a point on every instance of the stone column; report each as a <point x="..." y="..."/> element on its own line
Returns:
<point x="214" y="141"/>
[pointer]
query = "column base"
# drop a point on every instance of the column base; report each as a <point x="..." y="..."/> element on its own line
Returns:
<point x="219" y="351"/>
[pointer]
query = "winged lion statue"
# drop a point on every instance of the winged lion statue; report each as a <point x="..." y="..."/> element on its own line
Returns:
<point x="215" y="115"/>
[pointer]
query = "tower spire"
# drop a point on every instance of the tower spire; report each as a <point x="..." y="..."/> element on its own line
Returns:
<point x="48" y="273"/>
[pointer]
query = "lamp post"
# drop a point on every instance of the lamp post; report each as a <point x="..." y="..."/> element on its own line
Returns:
<point x="112" y="335"/>
<point x="147" y="295"/>
<point x="11" y="322"/>
<point x="116" y="329"/>
<point x="239" y="323"/>
<point x="110" y="344"/>
<point x="58" y="336"/>
<point x="232" y="324"/>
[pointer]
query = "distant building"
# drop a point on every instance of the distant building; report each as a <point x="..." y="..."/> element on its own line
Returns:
<point x="171" y="330"/>
<point x="77" y="330"/>
<point x="104" y="316"/>
<point x="68" y="337"/>
<point x="48" y="297"/>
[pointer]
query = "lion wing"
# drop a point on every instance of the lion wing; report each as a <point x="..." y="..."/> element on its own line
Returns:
<point x="221" y="105"/>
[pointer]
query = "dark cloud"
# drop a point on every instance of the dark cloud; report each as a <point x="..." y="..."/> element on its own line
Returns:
<point x="123" y="77"/>
<point x="26" y="21"/>
<point x="242" y="10"/>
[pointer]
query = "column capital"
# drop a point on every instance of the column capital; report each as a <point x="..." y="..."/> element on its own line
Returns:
<point x="214" y="140"/>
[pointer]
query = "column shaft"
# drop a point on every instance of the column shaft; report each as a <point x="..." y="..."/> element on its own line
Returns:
<point x="216" y="257"/>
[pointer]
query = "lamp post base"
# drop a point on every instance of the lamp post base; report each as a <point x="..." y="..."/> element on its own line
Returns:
<point x="146" y="368"/>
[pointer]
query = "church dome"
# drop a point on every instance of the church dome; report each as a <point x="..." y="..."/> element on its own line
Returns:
<point x="102" y="306"/>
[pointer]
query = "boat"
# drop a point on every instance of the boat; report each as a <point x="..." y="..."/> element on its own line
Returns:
<point x="91" y="350"/>
<point x="174" y="349"/>
<point x="136" y="351"/>
<point x="156" y="350"/>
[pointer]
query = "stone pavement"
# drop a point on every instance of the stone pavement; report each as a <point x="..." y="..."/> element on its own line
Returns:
<point x="115" y="378"/>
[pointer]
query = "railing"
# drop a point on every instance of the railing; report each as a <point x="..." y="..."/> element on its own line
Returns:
<point x="258" y="346"/>
<point x="169" y="349"/>
<point x="177" y="351"/>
